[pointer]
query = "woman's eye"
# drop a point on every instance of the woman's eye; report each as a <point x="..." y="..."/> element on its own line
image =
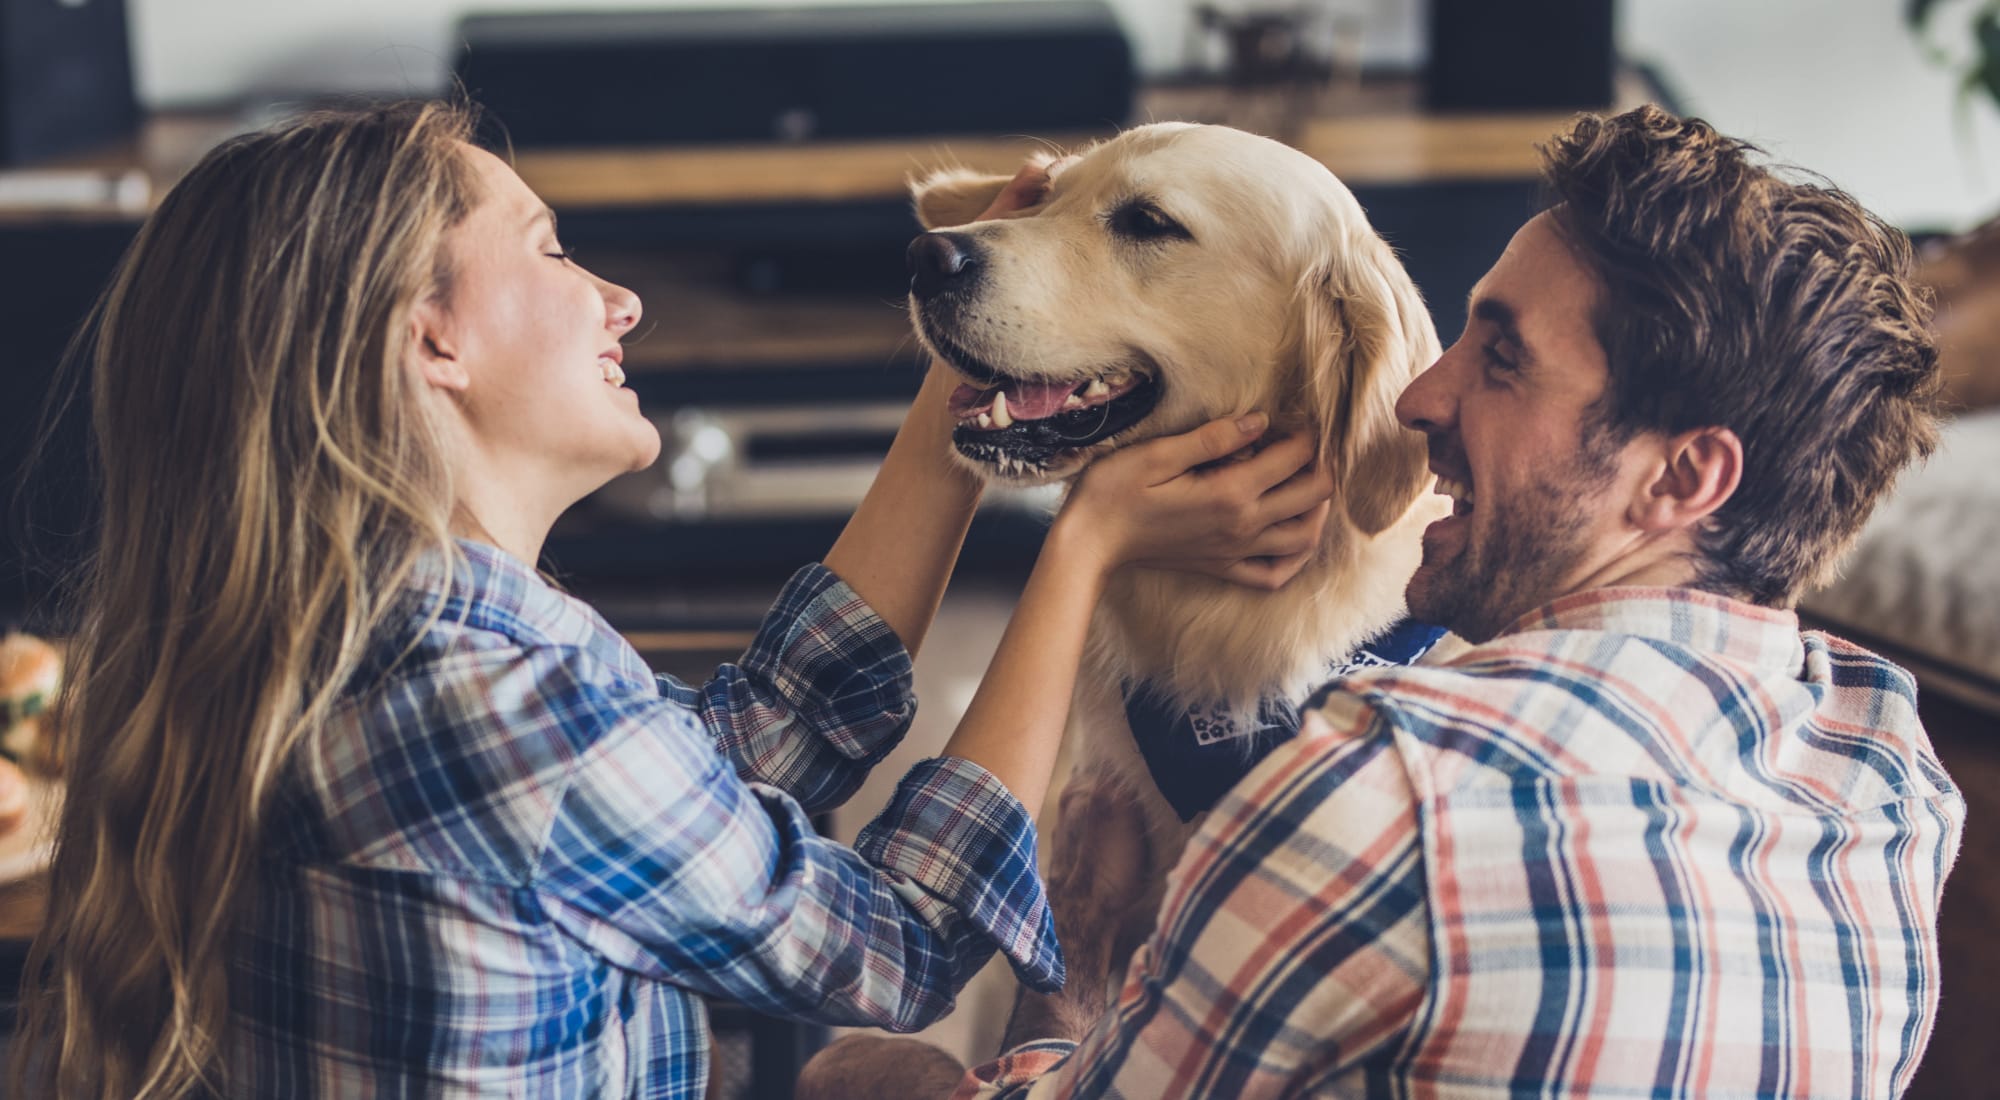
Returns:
<point x="1142" y="222"/>
<point x="567" y="255"/>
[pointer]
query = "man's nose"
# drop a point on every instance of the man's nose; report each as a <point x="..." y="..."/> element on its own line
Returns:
<point x="1424" y="405"/>
<point x="942" y="263"/>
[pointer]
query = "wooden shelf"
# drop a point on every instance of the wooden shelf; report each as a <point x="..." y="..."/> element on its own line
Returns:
<point x="1373" y="132"/>
<point x="695" y="317"/>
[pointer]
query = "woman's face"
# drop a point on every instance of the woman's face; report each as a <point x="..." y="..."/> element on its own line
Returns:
<point x="531" y="339"/>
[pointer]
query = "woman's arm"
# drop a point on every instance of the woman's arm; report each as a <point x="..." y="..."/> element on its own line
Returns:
<point x="825" y="688"/>
<point x="1160" y="502"/>
<point x="664" y="860"/>
<point x="898" y="550"/>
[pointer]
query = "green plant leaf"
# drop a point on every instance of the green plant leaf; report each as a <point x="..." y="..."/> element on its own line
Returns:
<point x="1986" y="29"/>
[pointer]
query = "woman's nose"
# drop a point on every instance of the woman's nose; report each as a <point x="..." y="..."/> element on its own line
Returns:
<point x="621" y="308"/>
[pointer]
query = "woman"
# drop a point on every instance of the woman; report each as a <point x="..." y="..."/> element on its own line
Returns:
<point x="359" y="805"/>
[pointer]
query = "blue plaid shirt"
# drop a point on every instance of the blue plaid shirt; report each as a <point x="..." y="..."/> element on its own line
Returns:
<point x="516" y="861"/>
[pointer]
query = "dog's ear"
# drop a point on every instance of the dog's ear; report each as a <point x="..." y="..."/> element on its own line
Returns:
<point x="1363" y="334"/>
<point x="953" y="196"/>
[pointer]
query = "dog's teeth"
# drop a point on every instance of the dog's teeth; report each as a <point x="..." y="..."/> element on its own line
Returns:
<point x="985" y="421"/>
<point x="1001" y="418"/>
<point x="1097" y="388"/>
<point x="1072" y="402"/>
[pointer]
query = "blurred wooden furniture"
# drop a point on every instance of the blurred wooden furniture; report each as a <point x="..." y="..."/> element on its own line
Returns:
<point x="1373" y="133"/>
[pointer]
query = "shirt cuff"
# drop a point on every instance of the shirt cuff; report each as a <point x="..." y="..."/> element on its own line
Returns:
<point x="1012" y="1072"/>
<point x="838" y="666"/>
<point x="960" y="837"/>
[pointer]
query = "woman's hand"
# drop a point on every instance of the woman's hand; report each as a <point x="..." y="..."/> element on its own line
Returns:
<point x="1174" y="503"/>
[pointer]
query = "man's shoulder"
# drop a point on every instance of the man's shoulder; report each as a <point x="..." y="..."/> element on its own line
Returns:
<point x="1535" y="704"/>
<point x="1462" y="682"/>
<point x="1560" y="703"/>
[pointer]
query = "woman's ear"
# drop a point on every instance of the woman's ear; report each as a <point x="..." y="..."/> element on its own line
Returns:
<point x="1363" y="334"/>
<point x="434" y="349"/>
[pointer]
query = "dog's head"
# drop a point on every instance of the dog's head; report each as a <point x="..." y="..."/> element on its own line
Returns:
<point x="1172" y="275"/>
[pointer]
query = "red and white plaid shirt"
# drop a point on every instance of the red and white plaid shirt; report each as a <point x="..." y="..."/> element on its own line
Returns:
<point x="1649" y="842"/>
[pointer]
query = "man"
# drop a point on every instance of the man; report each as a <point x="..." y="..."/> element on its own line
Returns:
<point x="1645" y="837"/>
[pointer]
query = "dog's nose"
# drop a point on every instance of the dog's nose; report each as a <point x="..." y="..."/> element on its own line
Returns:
<point x="940" y="262"/>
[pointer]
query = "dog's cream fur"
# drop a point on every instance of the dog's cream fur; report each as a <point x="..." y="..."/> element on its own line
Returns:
<point x="1285" y="301"/>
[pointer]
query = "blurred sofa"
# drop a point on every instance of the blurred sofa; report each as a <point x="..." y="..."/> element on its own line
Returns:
<point x="1923" y="587"/>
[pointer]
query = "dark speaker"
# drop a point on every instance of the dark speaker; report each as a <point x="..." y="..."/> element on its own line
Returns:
<point x="792" y="74"/>
<point x="1519" y="55"/>
<point x="65" y="77"/>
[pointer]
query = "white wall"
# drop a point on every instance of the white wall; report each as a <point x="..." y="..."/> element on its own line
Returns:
<point x="1837" y="85"/>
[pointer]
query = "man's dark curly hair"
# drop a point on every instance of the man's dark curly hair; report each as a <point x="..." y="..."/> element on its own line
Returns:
<point x="1732" y="296"/>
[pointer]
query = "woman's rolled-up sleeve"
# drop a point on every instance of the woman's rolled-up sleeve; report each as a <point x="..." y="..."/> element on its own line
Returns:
<point x="664" y="860"/>
<point x="822" y="694"/>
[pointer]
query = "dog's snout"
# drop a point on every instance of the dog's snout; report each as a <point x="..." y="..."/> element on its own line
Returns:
<point x="941" y="262"/>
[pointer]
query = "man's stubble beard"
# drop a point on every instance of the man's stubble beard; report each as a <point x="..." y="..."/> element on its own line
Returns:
<point x="1533" y="546"/>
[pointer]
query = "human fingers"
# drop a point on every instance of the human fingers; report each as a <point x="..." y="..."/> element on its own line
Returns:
<point x="1168" y="457"/>
<point x="1275" y="462"/>
<point x="1308" y="489"/>
<point x="1297" y="537"/>
<point x="1267" y="573"/>
<point x="1298" y="534"/>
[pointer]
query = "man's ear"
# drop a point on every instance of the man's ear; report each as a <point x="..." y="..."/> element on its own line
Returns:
<point x="1698" y="472"/>
<point x="953" y="196"/>
<point x="434" y="349"/>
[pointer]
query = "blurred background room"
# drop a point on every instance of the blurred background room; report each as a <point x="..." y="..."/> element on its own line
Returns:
<point x="744" y="168"/>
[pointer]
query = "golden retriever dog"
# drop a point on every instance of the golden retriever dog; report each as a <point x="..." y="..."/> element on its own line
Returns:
<point x="1169" y="276"/>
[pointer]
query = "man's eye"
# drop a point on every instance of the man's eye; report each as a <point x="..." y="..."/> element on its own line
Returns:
<point x="1498" y="361"/>
<point x="1140" y="221"/>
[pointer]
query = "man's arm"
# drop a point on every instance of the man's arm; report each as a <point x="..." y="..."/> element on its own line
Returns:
<point x="1295" y="940"/>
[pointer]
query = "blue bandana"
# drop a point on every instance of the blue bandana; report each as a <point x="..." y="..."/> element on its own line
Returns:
<point x="1196" y="755"/>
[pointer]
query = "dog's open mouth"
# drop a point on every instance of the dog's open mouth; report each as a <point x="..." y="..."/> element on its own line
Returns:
<point x="1024" y="426"/>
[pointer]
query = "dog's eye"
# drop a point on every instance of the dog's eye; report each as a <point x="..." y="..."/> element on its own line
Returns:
<point x="1141" y="221"/>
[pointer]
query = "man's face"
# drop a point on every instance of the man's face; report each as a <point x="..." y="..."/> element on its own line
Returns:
<point x="1507" y="410"/>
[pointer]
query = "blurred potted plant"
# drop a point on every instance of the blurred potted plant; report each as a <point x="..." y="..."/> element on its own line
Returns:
<point x="1965" y="270"/>
<point x="1979" y="69"/>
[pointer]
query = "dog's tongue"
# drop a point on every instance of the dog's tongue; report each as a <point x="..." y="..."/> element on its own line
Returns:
<point x="1025" y="400"/>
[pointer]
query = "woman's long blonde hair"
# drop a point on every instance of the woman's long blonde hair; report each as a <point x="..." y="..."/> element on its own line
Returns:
<point x="270" y="479"/>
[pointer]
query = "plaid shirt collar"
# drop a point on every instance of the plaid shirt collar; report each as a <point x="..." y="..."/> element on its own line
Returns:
<point x="1732" y="630"/>
<point x="495" y="591"/>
